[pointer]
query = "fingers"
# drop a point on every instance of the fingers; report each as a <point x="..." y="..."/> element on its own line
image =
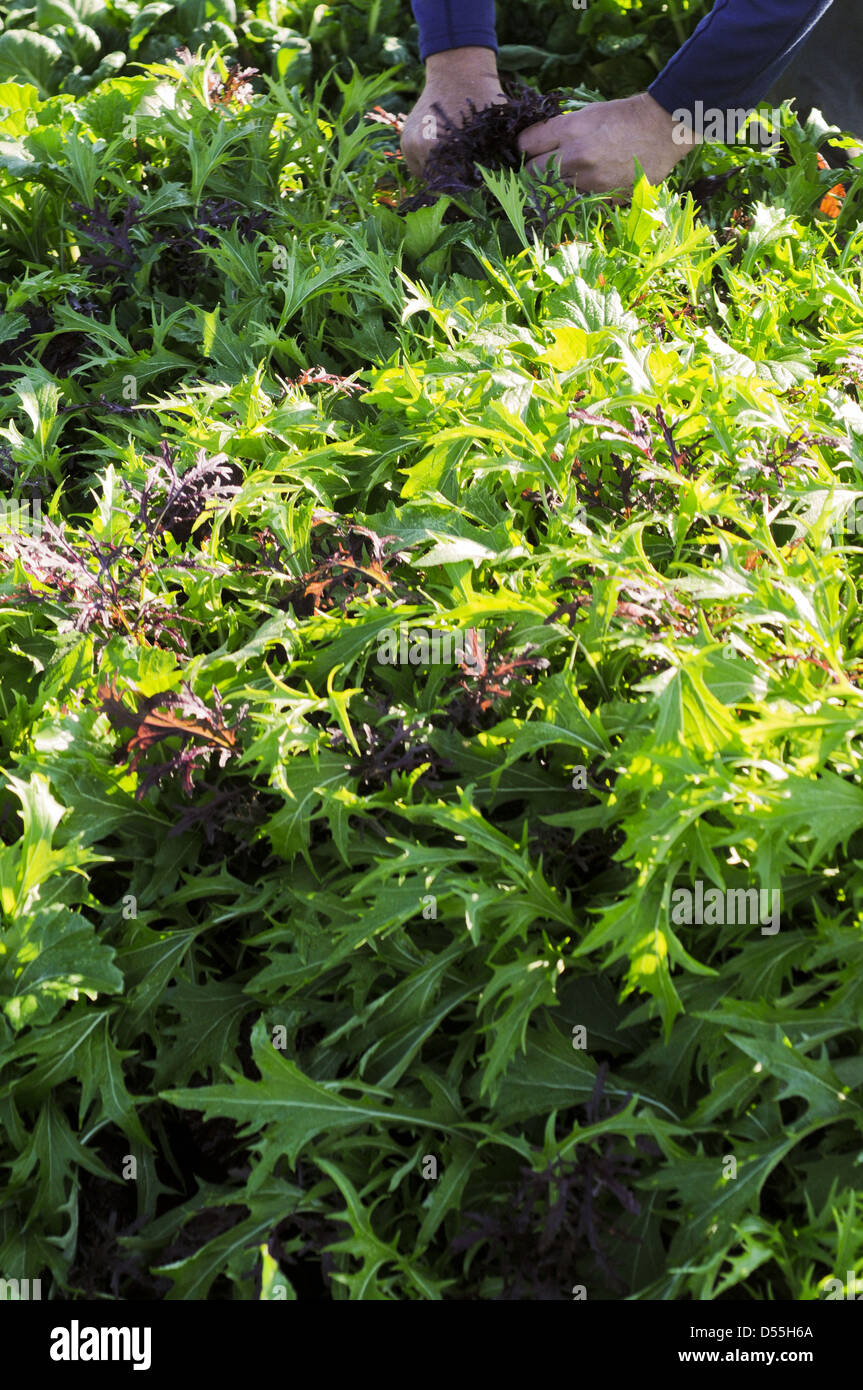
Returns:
<point x="539" y="168"/>
<point x="577" y="166"/>
<point x="411" y="158"/>
<point x="417" y="141"/>
<point x="542" y="137"/>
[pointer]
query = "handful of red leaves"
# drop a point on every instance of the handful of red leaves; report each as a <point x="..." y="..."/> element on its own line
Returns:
<point x="488" y="138"/>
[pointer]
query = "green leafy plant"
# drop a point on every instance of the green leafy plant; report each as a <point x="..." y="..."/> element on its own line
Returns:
<point x="332" y="967"/>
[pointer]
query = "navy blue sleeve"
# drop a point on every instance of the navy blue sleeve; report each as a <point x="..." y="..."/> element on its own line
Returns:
<point x="736" y="53"/>
<point x="454" y="24"/>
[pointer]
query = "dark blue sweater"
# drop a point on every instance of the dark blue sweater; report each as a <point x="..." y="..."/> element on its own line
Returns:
<point x="736" y="53"/>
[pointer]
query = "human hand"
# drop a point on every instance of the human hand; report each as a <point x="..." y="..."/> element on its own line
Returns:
<point x="596" y="146"/>
<point x="453" y="78"/>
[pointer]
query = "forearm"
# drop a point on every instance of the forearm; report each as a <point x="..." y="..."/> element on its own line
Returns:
<point x="461" y="64"/>
<point x="736" y="53"/>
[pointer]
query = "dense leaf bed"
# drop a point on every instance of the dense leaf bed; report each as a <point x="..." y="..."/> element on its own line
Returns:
<point x="324" y="976"/>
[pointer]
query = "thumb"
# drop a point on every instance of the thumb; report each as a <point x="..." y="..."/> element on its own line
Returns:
<point x="540" y="138"/>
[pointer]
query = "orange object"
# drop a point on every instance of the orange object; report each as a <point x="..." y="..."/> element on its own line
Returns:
<point x="831" y="203"/>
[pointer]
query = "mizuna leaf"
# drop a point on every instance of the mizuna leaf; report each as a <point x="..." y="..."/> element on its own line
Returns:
<point x="288" y="1108"/>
